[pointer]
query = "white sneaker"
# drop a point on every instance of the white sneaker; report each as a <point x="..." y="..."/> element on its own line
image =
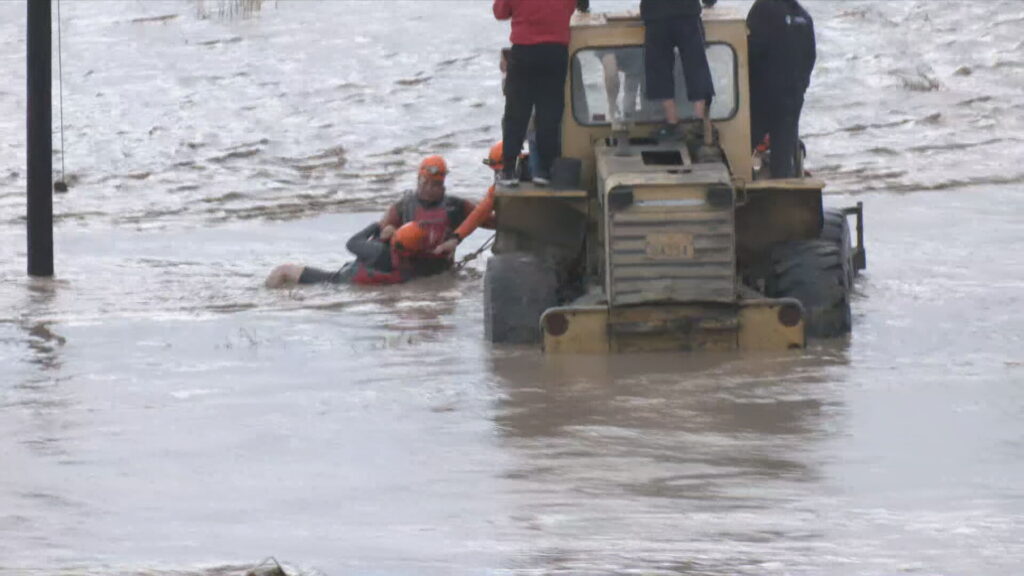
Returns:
<point x="508" y="179"/>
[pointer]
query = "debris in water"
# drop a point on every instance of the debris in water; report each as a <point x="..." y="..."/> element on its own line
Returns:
<point x="164" y="18"/>
<point x="920" y="80"/>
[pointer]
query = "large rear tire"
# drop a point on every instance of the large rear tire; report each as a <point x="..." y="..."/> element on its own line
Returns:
<point x="836" y="229"/>
<point x="518" y="288"/>
<point x="815" y="273"/>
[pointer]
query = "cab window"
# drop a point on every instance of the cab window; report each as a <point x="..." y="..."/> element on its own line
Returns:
<point x="608" y="83"/>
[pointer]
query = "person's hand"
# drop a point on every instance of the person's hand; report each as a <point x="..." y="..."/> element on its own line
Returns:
<point x="387" y="232"/>
<point x="503" y="63"/>
<point x="447" y="247"/>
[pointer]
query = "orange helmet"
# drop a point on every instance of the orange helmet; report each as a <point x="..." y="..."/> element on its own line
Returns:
<point x="433" y="168"/>
<point x="410" y="238"/>
<point x="496" y="157"/>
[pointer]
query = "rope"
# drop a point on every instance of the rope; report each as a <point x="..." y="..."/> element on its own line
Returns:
<point x="62" y="185"/>
<point x="472" y="255"/>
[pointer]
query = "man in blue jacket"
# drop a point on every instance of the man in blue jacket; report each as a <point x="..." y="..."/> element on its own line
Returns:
<point x="782" y="56"/>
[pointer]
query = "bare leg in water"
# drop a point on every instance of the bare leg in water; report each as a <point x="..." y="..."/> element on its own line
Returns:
<point x="284" y="276"/>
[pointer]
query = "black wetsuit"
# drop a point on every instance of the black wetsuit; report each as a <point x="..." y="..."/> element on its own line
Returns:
<point x="782" y="56"/>
<point x="368" y="249"/>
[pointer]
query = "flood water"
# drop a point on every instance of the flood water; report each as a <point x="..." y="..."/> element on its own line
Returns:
<point x="163" y="413"/>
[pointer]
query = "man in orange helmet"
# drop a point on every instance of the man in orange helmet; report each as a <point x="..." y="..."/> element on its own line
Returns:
<point x="415" y="237"/>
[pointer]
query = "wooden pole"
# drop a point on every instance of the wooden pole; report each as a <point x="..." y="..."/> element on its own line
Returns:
<point x="39" y="140"/>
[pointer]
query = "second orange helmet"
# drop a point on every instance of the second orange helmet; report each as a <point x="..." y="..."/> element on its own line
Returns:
<point x="410" y="237"/>
<point x="496" y="157"/>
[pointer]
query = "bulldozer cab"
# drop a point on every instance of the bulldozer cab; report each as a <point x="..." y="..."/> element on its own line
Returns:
<point x="664" y="245"/>
<point x="606" y="86"/>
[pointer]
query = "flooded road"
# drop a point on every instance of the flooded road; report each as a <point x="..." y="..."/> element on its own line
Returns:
<point x="162" y="413"/>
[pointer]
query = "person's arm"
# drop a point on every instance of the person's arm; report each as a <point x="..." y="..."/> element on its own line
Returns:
<point x="813" y="51"/>
<point x="756" y="25"/>
<point x="390" y="222"/>
<point x="365" y="244"/>
<point x="503" y="9"/>
<point x="480" y="215"/>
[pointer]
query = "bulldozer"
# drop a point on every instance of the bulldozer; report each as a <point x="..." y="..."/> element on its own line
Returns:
<point x="652" y="245"/>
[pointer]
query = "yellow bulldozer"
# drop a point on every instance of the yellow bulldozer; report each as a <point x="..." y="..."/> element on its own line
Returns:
<point x="661" y="246"/>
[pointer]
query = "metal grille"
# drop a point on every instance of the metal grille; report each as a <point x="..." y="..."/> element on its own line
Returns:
<point x="666" y="253"/>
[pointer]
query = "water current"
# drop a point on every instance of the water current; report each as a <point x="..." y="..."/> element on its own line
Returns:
<point x="161" y="413"/>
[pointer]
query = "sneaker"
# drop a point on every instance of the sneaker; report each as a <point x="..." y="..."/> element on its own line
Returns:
<point x="669" y="132"/>
<point x="542" y="178"/>
<point x="508" y="178"/>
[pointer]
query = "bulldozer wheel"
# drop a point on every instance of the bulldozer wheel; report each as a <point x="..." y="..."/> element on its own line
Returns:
<point x="518" y="288"/>
<point x="836" y="229"/>
<point x="813" y="272"/>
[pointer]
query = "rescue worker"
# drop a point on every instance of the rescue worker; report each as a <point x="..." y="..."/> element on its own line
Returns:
<point x="671" y="25"/>
<point x="537" y="66"/>
<point x="427" y="220"/>
<point x="483" y="214"/>
<point x="440" y="214"/>
<point x="782" y="56"/>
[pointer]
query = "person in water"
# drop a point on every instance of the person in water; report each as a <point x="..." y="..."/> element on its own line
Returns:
<point x="377" y="262"/>
<point x="417" y="236"/>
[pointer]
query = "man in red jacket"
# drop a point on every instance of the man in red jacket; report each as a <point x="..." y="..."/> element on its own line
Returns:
<point x="537" y="66"/>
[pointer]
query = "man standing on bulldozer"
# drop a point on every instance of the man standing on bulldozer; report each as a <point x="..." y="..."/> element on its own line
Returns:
<point x="782" y="55"/>
<point x="537" y="65"/>
<point x="671" y="25"/>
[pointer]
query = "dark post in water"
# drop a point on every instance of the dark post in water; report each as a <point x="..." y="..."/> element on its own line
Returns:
<point x="40" y="145"/>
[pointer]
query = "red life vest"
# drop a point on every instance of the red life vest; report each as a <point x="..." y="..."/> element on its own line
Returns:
<point x="436" y="220"/>
<point x="400" y="272"/>
<point x="439" y="220"/>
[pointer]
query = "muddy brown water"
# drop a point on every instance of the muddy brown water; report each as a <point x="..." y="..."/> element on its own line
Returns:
<point x="163" y="414"/>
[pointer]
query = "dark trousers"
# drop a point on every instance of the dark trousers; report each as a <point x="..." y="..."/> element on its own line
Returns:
<point x="661" y="39"/>
<point x="535" y="82"/>
<point x="782" y="123"/>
